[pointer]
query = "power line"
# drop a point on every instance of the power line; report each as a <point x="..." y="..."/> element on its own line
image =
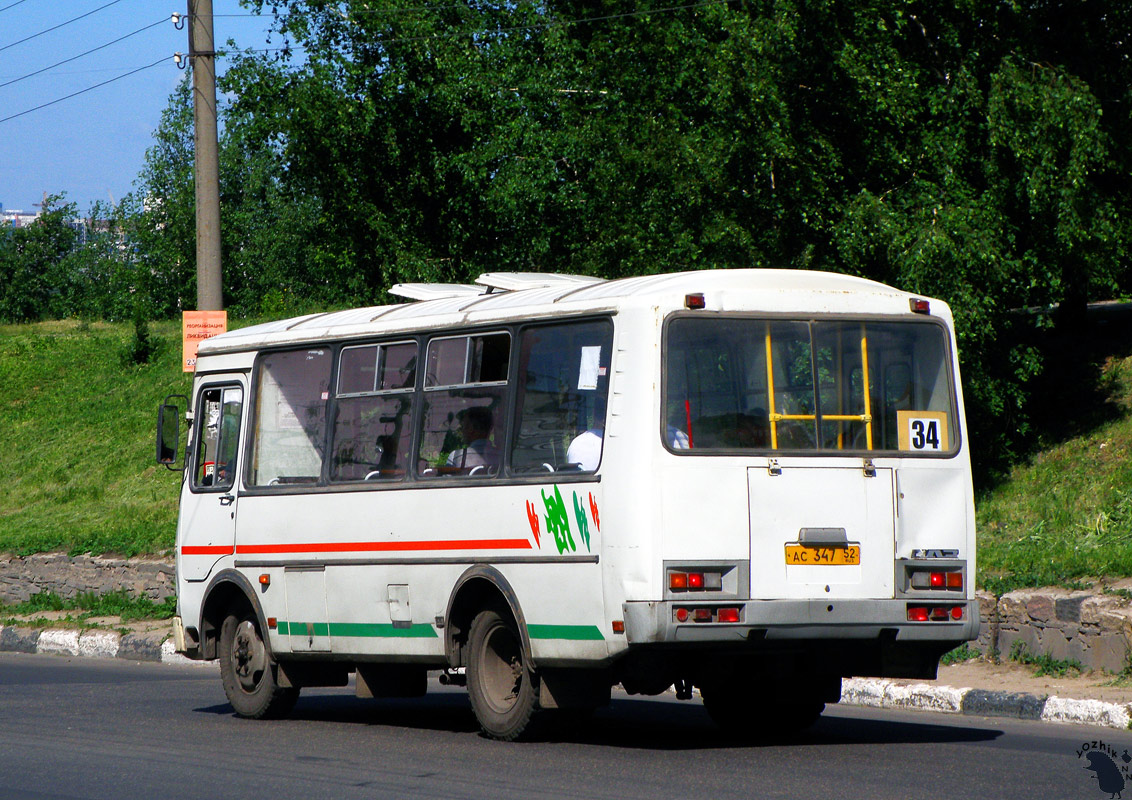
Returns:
<point x="11" y="5"/>
<point x="88" y="89"/>
<point x="57" y="27"/>
<point x="80" y="55"/>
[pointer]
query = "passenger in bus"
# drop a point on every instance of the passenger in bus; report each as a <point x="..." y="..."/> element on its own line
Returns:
<point x="478" y="451"/>
<point x="584" y="452"/>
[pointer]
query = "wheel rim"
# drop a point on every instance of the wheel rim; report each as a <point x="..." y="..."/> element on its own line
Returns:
<point x="249" y="656"/>
<point x="501" y="668"/>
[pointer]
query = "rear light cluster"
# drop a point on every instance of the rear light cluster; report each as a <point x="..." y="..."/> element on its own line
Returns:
<point x="936" y="580"/>
<point x="707" y="614"/>
<point x="695" y="581"/>
<point x="935" y="613"/>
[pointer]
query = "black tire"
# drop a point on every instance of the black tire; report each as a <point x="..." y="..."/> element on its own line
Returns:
<point x="500" y="684"/>
<point x="745" y="714"/>
<point x="247" y="672"/>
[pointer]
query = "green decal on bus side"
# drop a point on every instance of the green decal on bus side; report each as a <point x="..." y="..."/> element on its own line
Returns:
<point x="583" y="523"/>
<point x="558" y="521"/>
<point x="357" y="629"/>
<point x="588" y="633"/>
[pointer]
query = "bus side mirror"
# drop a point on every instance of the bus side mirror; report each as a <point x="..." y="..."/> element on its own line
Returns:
<point x="169" y="432"/>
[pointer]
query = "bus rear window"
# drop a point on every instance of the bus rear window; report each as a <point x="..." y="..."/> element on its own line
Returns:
<point x="842" y="385"/>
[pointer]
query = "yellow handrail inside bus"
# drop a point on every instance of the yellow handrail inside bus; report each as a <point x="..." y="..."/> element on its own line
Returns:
<point x="774" y="417"/>
<point x="868" y="416"/>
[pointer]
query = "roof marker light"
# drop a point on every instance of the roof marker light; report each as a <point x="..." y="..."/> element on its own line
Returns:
<point x="695" y="301"/>
<point x="919" y="305"/>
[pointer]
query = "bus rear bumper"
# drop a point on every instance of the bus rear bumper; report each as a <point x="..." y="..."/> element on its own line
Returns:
<point x="764" y="620"/>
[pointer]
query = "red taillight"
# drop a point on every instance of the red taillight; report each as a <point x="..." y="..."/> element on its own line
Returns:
<point x="937" y="580"/>
<point x="728" y="615"/>
<point x="678" y="581"/>
<point x="681" y="615"/>
<point x="955" y="580"/>
<point x="917" y="614"/>
<point x="695" y="580"/>
<point x="703" y="615"/>
<point x="957" y="612"/>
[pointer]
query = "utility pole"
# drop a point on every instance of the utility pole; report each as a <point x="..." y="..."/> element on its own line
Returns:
<point x="202" y="55"/>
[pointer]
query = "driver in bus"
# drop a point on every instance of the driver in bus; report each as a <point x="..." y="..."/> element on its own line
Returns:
<point x="478" y="451"/>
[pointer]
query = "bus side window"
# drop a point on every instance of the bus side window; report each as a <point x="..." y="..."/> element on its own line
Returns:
<point x="563" y="386"/>
<point x="290" y="417"/>
<point x="465" y="392"/>
<point x="372" y="426"/>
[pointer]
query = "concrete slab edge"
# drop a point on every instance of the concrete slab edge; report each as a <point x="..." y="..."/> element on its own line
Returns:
<point x="880" y="693"/>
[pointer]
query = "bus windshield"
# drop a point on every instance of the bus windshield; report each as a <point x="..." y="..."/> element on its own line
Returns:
<point x="817" y="385"/>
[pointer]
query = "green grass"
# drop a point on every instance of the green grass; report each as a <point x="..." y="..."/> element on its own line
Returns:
<point x="120" y="604"/>
<point x="1044" y="664"/>
<point x="77" y="429"/>
<point x="1066" y="516"/>
<point x="960" y="655"/>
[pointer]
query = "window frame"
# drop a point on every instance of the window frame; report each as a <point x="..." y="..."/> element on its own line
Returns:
<point x="956" y="443"/>
<point x="198" y="426"/>
<point x="413" y="391"/>
<point x="412" y="481"/>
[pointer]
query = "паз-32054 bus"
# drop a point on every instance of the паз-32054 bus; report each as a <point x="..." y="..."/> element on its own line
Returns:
<point x="750" y="482"/>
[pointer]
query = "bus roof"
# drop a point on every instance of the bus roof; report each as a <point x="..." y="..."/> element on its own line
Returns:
<point x="507" y="297"/>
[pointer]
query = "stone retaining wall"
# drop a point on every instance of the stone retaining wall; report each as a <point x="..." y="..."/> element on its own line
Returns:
<point x="23" y="576"/>
<point x="1094" y="629"/>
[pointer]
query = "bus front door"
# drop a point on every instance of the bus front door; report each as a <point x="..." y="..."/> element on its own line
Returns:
<point x="207" y="523"/>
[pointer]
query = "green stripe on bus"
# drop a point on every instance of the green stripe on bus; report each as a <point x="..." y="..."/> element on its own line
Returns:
<point x="588" y="633"/>
<point x="366" y="630"/>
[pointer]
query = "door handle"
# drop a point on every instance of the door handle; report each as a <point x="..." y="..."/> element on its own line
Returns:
<point x="227" y="499"/>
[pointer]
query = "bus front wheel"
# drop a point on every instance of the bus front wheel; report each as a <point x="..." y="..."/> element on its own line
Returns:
<point x="500" y="684"/>
<point x="246" y="671"/>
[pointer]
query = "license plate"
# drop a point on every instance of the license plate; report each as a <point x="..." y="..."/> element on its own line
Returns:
<point x="805" y="556"/>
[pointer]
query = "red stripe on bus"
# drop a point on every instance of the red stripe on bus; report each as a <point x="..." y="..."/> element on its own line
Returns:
<point x="374" y="547"/>
<point x="207" y="550"/>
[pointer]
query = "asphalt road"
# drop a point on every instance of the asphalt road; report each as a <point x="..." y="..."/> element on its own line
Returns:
<point x="88" y="728"/>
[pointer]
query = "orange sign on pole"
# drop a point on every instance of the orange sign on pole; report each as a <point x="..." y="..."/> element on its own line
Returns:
<point x="196" y="326"/>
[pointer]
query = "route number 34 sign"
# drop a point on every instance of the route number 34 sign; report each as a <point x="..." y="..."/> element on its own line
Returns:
<point x="922" y="431"/>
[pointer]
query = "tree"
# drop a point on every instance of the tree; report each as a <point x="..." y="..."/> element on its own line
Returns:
<point x="32" y="260"/>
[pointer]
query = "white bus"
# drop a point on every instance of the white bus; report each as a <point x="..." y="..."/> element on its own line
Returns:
<point x="750" y="482"/>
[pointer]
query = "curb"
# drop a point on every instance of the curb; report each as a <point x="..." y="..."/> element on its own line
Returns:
<point x="866" y="692"/>
<point x="154" y="647"/>
<point x="876" y="693"/>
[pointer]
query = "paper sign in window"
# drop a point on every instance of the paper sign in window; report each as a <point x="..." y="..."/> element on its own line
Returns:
<point x="589" y="369"/>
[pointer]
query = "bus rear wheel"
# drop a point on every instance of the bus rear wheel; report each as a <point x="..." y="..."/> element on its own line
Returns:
<point x="500" y="684"/>
<point x="246" y="671"/>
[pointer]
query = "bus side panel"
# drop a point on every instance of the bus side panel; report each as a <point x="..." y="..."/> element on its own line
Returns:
<point x="392" y="557"/>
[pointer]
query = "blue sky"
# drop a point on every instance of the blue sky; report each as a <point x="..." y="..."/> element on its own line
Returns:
<point x="92" y="146"/>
